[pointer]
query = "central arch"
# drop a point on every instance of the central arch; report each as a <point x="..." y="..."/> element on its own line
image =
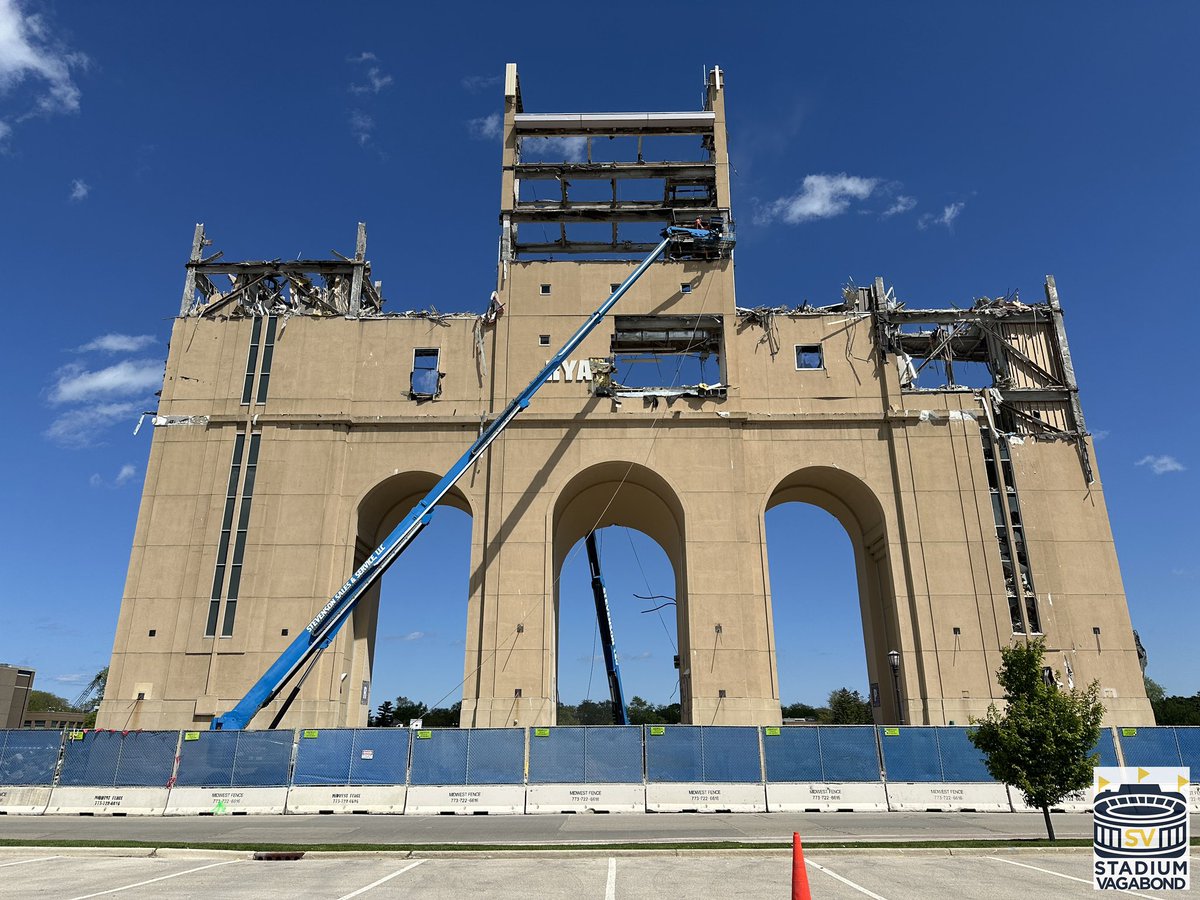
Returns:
<point x="629" y="494"/>
<point x="860" y="513"/>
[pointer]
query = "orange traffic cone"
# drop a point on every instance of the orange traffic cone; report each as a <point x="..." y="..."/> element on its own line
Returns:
<point x="799" y="873"/>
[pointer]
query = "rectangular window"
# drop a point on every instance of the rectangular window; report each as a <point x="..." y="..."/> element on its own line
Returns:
<point x="251" y="360"/>
<point x="685" y="288"/>
<point x="1014" y="557"/>
<point x="545" y="289"/>
<point x="268" y="353"/>
<point x="426" y="379"/>
<point x="239" y="546"/>
<point x="544" y="340"/>
<point x="612" y="288"/>
<point x="809" y="356"/>
<point x="667" y="352"/>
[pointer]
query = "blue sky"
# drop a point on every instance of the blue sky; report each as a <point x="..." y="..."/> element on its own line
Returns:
<point x="956" y="149"/>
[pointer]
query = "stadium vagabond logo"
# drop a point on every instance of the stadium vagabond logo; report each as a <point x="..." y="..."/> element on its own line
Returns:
<point x="1140" y="837"/>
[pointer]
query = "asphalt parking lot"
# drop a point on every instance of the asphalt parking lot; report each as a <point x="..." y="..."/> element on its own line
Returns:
<point x="919" y="875"/>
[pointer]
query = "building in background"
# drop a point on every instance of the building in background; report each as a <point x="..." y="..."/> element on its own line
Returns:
<point x="15" y="685"/>
<point x="300" y="421"/>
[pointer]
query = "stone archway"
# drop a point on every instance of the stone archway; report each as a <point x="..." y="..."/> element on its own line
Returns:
<point x="629" y="494"/>
<point x="860" y="513"/>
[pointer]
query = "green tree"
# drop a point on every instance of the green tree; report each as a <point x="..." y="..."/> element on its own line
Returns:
<point x="385" y="716"/>
<point x="803" y="711"/>
<point x="407" y="710"/>
<point x="847" y="707"/>
<point x="442" y="716"/>
<point x="1177" y="710"/>
<point x="1154" y="690"/>
<point x="44" y="701"/>
<point x="1041" y="742"/>
<point x="643" y="713"/>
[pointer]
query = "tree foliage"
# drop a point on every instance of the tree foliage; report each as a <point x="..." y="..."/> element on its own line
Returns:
<point x="44" y="701"/>
<point x="1176" y="710"/>
<point x="847" y="707"/>
<point x="1041" y="742"/>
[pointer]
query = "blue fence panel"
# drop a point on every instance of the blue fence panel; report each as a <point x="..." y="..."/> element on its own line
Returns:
<point x="1189" y="748"/>
<point x="28" y="757"/>
<point x="731" y="754"/>
<point x="1152" y="746"/>
<point x="557" y="755"/>
<point x="324" y="758"/>
<point x="674" y="753"/>
<point x="848" y="752"/>
<point x="613" y="755"/>
<point x="793" y="753"/>
<point x="206" y="758"/>
<point x="496" y="756"/>
<point x="115" y="759"/>
<point x="235" y="759"/>
<point x="379" y="756"/>
<point x="439" y="756"/>
<point x="263" y="759"/>
<point x="1106" y="747"/>
<point x="961" y="760"/>
<point x="910" y="753"/>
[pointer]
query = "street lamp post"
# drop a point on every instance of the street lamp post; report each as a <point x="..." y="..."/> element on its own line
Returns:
<point x="894" y="662"/>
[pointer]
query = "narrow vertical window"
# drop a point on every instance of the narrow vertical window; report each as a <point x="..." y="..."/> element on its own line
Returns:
<point x="1010" y="537"/>
<point x="251" y="360"/>
<point x="426" y="379"/>
<point x="268" y="353"/>
<point x="239" y="545"/>
<point x="235" y="470"/>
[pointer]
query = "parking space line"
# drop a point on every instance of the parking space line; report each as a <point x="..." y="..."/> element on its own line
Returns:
<point x="1013" y="862"/>
<point x="610" y="886"/>
<point x="22" y="862"/>
<point x="385" y="878"/>
<point x="127" y="887"/>
<point x="845" y="881"/>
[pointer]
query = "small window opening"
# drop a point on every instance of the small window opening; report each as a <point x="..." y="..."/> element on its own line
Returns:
<point x="152" y="633"/>
<point x="141" y="695"/>
<point x="544" y="340"/>
<point x="809" y="356"/>
<point x="283" y="632"/>
<point x="426" y="379"/>
<point x="545" y="289"/>
<point x="685" y="288"/>
<point x="613" y="287"/>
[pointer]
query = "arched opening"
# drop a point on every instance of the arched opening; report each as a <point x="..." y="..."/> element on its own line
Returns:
<point x="828" y="580"/>
<point x="409" y="629"/>
<point x="640" y="526"/>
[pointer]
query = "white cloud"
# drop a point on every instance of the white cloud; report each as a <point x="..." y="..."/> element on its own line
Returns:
<point x="902" y="204"/>
<point x="79" y="190"/>
<point x="377" y="80"/>
<point x="5" y="131"/>
<point x="365" y="56"/>
<point x="947" y="217"/>
<point x="1161" y="465"/>
<point x="80" y="427"/>
<point x="132" y="376"/>
<point x="72" y="679"/>
<point x="485" y="128"/>
<point x="479" y="83"/>
<point x="638" y="657"/>
<point x="29" y="52"/>
<point x="819" y="197"/>
<point x="127" y="472"/>
<point x="569" y="149"/>
<point x="119" y="343"/>
<point x="361" y="126"/>
<point x="96" y="481"/>
<point x="413" y="636"/>
<point x="1100" y="435"/>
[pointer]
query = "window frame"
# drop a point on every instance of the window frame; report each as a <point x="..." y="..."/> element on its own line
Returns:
<point x="808" y="348"/>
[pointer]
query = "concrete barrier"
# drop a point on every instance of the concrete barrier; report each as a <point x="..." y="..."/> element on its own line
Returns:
<point x="465" y="799"/>
<point x="326" y="799"/>
<point x="784" y="796"/>
<point x="947" y="796"/>
<point x="107" y="801"/>
<point x="225" y="801"/>
<point x="1078" y="802"/>
<point x="23" y="801"/>
<point x="707" y="797"/>
<point x="603" y="798"/>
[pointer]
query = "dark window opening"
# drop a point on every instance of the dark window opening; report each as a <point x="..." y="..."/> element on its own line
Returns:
<point x="545" y="289"/>
<point x="685" y="288"/>
<point x="251" y="360"/>
<point x="268" y="353"/>
<point x="152" y="633"/>
<point x="426" y="379"/>
<point x="235" y="468"/>
<point x="809" y="356"/>
<point x="613" y="287"/>
<point x="544" y="340"/>
<point x="667" y="351"/>
<point x="1014" y="556"/>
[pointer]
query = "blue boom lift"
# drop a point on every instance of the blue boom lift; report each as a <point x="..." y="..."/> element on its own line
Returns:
<point x="705" y="241"/>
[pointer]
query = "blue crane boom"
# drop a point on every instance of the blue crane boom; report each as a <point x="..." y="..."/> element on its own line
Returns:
<point x="325" y="625"/>
<point x="616" y="690"/>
